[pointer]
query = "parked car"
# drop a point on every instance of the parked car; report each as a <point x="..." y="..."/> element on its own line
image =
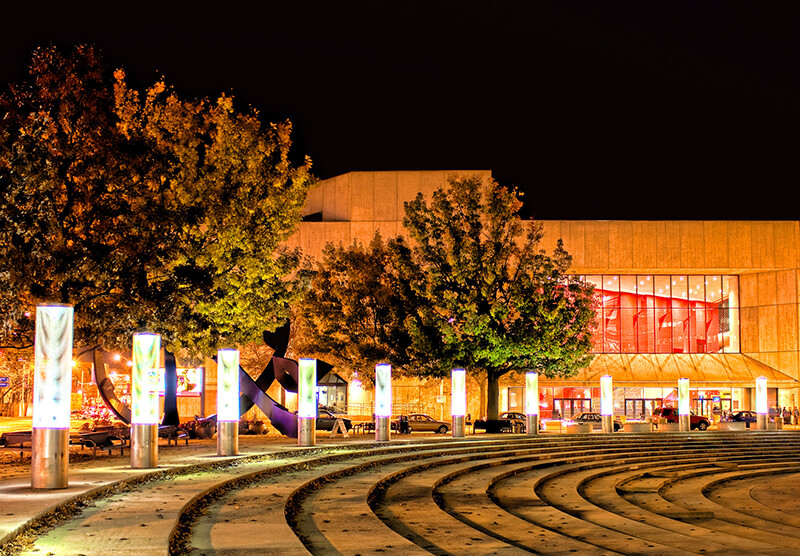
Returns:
<point x="419" y="422"/>
<point x="742" y="416"/>
<point x="595" y="419"/>
<point x="696" y="422"/>
<point x="326" y="420"/>
<point x="510" y="421"/>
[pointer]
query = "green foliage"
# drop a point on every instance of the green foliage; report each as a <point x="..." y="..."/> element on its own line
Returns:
<point x="471" y="289"/>
<point x="355" y="309"/>
<point x="156" y="213"/>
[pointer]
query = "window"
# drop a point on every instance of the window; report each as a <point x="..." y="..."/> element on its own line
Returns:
<point x="666" y="314"/>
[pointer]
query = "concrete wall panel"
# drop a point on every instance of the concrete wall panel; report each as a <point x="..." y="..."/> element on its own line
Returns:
<point x="386" y="196"/>
<point x="645" y="248"/>
<point x="740" y="245"/>
<point x="668" y="246"/>
<point x="362" y="196"/>
<point x="692" y="245"/>
<point x="620" y="246"/>
<point x="715" y="236"/>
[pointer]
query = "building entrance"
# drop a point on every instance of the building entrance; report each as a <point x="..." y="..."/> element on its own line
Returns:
<point x="569" y="407"/>
<point x="641" y="408"/>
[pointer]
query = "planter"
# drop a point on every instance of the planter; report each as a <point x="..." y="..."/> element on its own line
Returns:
<point x="732" y="426"/>
<point x="637" y="426"/>
<point x="579" y="428"/>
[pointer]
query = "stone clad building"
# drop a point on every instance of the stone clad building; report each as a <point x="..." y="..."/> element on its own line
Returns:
<point x="713" y="301"/>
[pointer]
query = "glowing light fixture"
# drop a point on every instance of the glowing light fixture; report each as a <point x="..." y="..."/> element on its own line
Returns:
<point x="383" y="401"/>
<point x="306" y="402"/>
<point x="606" y="395"/>
<point x="458" y="401"/>
<point x="228" y="385"/>
<point x="532" y="402"/>
<point x="762" y="408"/>
<point x="145" y="378"/>
<point x="52" y="384"/>
<point x="683" y="404"/>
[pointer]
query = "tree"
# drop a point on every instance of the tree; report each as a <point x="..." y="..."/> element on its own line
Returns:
<point x="354" y="311"/>
<point x="494" y="301"/>
<point x="144" y="213"/>
<point x="470" y="289"/>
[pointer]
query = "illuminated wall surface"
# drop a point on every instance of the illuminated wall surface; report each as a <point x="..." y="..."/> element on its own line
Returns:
<point x="607" y="396"/>
<point x="683" y="396"/>
<point x="532" y="393"/>
<point x="458" y="391"/>
<point x="666" y="314"/>
<point x="307" y="388"/>
<point x="383" y="391"/>
<point x="227" y="385"/>
<point x="761" y="396"/>
<point x="145" y="379"/>
<point x="52" y="382"/>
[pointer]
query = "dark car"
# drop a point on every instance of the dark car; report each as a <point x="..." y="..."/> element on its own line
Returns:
<point x="326" y="420"/>
<point x="594" y="419"/>
<point x="696" y="422"/>
<point x="510" y="421"/>
<point x="742" y="416"/>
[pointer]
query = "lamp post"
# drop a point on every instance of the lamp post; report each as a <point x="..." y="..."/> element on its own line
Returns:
<point x="683" y="405"/>
<point x="762" y="411"/>
<point x="227" y="402"/>
<point x="532" y="402"/>
<point x="607" y="403"/>
<point x="144" y="400"/>
<point x="458" y="401"/>
<point x="383" y="402"/>
<point x="52" y="385"/>
<point x="307" y="402"/>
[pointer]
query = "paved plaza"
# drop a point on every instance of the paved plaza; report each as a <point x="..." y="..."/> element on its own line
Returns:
<point x="676" y="493"/>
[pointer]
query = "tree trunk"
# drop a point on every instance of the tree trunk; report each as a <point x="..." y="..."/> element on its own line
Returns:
<point x="492" y="396"/>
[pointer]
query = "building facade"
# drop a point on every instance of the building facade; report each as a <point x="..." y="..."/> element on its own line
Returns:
<point x="713" y="301"/>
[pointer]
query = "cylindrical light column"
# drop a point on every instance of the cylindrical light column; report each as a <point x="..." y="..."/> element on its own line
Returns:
<point x="607" y="403"/>
<point x="144" y="400"/>
<point x="458" y="401"/>
<point x="52" y="386"/>
<point x="532" y="402"/>
<point x="762" y="411"/>
<point x="383" y="402"/>
<point x="307" y="402"/>
<point x="227" y="402"/>
<point x="683" y="405"/>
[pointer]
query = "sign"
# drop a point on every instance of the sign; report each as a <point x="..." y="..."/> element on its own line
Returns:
<point x="4" y="383"/>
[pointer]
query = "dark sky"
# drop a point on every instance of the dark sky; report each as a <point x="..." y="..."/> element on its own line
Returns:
<point x="599" y="110"/>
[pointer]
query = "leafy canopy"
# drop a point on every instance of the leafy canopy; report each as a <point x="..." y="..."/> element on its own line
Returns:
<point x="144" y="211"/>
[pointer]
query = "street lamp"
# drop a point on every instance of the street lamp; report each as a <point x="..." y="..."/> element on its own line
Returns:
<point x="458" y="401"/>
<point x="144" y="400"/>
<point x="683" y="404"/>
<point x="52" y="386"/>
<point x="607" y="403"/>
<point x="227" y="402"/>
<point x="307" y="402"/>
<point x="383" y="401"/>
<point x="532" y="402"/>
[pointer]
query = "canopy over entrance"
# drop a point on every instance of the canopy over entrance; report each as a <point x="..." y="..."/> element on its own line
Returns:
<point x="732" y="370"/>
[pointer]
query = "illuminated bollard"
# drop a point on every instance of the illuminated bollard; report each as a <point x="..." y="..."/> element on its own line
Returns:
<point x="307" y="402"/>
<point x="607" y="403"/>
<point x="144" y="400"/>
<point x="227" y="402"/>
<point x="458" y="401"/>
<point x="52" y="387"/>
<point x="683" y="405"/>
<point x="383" y="402"/>
<point x="762" y="411"/>
<point x="532" y="402"/>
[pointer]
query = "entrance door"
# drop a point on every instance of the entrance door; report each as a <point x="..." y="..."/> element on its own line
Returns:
<point x="641" y="408"/>
<point x="569" y="407"/>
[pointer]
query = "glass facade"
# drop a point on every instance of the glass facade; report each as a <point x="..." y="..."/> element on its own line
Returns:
<point x="666" y="314"/>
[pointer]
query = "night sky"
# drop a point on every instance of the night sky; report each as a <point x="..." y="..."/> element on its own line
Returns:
<point x="595" y="110"/>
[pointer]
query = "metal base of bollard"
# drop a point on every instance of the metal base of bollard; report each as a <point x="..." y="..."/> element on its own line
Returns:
<point x="685" y="423"/>
<point x="306" y="431"/>
<point x="608" y="423"/>
<point x="227" y="438"/>
<point x="532" y="424"/>
<point x="382" y="429"/>
<point x="49" y="459"/>
<point x="761" y="421"/>
<point x="144" y="446"/>
<point x="458" y="426"/>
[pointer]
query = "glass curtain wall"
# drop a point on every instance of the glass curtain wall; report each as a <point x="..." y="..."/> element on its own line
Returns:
<point x="666" y="314"/>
